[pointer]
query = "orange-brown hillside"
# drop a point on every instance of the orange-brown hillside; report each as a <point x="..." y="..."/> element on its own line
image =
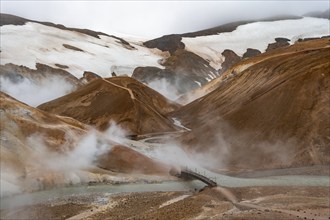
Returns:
<point x="126" y="160"/>
<point x="35" y="148"/>
<point x="273" y="113"/>
<point x="27" y="132"/>
<point x="20" y="121"/>
<point x="123" y="100"/>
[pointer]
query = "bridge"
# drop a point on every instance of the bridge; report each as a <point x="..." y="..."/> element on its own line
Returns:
<point x="189" y="174"/>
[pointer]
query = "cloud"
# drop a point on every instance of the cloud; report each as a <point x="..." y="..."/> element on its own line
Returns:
<point x="154" y="18"/>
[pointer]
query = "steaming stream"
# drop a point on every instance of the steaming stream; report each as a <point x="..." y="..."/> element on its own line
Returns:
<point x="152" y="151"/>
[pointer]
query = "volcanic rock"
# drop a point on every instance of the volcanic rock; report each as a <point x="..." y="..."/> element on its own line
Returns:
<point x="251" y="53"/>
<point x="89" y="76"/>
<point x="231" y="58"/>
<point x="169" y="43"/>
<point x="279" y="42"/>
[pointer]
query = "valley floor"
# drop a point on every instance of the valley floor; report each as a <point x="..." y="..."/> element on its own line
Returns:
<point x="271" y="202"/>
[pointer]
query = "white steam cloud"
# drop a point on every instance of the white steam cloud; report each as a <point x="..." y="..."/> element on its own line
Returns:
<point x="35" y="93"/>
<point x="164" y="87"/>
<point x="70" y="163"/>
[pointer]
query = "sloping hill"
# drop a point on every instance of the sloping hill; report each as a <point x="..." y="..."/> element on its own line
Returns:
<point x="29" y="138"/>
<point x="40" y="150"/>
<point x="123" y="100"/>
<point x="273" y="112"/>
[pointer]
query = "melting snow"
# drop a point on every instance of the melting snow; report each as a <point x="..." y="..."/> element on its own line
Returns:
<point x="31" y="43"/>
<point x="178" y="123"/>
<point x="198" y="83"/>
<point x="255" y="35"/>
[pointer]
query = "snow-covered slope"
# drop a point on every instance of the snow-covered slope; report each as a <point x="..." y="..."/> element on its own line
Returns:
<point x="36" y="43"/>
<point x="255" y="35"/>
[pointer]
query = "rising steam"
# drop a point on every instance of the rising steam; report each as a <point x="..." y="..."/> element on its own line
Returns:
<point x="35" y="93"/>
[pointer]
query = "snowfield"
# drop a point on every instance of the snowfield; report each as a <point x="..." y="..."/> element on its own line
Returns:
<point x="255" y="35"/>
<point x="36" y="43"/>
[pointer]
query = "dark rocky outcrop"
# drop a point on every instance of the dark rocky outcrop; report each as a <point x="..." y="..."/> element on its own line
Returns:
<point x="279" y="42"/>
<point x="89" y="77"/>
<point x="251" y="53"/>
<point x="61" y="66"/>
<point x="70" y="47"/>
<point x="169" y="43"/>
<point x="231" y="58"/>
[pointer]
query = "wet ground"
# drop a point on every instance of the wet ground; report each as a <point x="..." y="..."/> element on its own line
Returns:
<point x="269" y="202"/>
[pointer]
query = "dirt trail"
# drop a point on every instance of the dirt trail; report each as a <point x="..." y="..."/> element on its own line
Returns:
<point x="127" y="89"/>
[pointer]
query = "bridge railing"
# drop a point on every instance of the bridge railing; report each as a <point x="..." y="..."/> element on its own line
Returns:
<point x="212" y="181"/>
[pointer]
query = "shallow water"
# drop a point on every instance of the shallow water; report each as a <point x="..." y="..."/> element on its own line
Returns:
<point x="222" y="180"/>
<point x="48" y="195"/>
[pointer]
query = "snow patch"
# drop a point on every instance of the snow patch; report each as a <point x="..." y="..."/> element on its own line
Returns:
<point x="211" y="76"/>
<point x="31" y="43"/>
<point x="198" y="83"/>
<point x="178" y="124"/>
<point x="255" y="35"/>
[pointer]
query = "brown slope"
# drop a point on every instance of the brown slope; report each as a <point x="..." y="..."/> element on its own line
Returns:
<point x="37" y="148"/>
<point x="274" y="113"/>
<point x="123" y="100"/>
<point x="21" y="121"/>
<point x="126" y="160"/>
<point x="25" y="134"/>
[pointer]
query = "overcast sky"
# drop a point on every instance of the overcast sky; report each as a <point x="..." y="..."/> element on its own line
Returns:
<point x="154" y="18"/>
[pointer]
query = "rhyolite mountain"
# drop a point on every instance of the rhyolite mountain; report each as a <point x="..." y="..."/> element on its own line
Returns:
<point x="268" y="111"/>
<point x="121" y="100"/>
